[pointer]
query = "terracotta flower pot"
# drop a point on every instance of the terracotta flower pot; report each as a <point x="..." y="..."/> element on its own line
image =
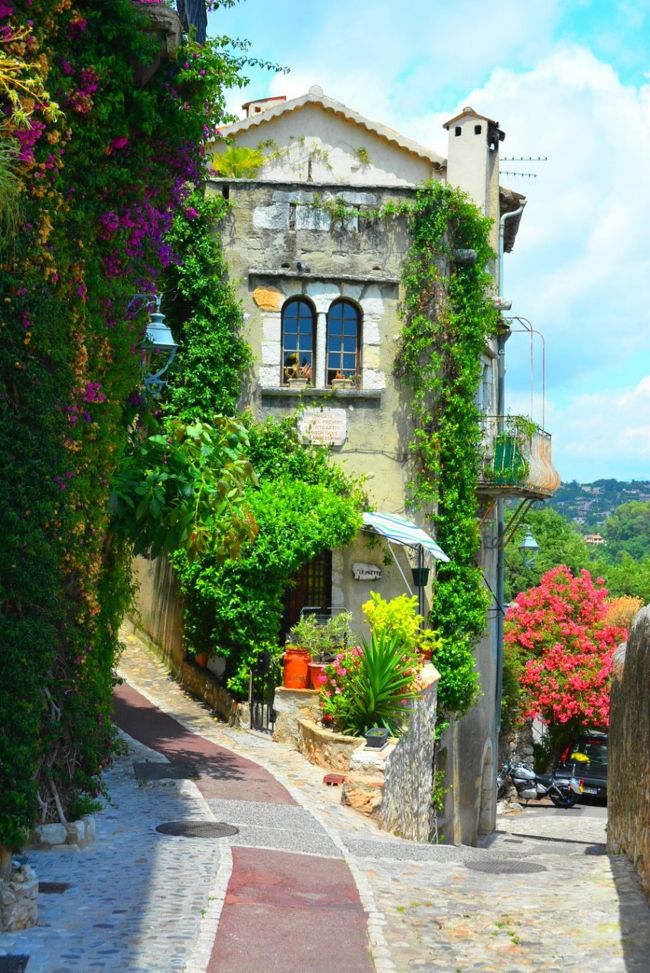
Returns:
<point x="316" y="674"/>
<point x="296" y="668"/>
<point x="201" y="659"/>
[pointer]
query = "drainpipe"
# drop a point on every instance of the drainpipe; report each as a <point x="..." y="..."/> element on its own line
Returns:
<point x="501" y="561"/>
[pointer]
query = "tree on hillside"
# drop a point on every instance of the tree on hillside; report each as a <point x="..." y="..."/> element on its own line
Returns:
<point x="625" y="576"/>
<point x="558" y="638"/>
<point x="627" y="530"/>
<point x="560" y="542"/>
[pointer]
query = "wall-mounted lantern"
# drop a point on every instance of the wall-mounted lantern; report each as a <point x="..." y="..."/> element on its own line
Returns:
<point x="158" y="340"/>
<point x="529" y="548"/>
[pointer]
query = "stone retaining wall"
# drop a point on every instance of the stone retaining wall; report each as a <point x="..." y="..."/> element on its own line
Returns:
<point x="628" y="773"/>
<point x="325" y="748"/>
<point x="395" y="784"/>
<point x="158" y="619"/>
<point x="291" y="706"/>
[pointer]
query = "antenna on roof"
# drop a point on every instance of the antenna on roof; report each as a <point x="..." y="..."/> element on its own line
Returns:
<point x="522" y="158"/>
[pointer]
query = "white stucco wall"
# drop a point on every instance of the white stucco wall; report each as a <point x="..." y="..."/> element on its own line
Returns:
<point x="331" y="143"/>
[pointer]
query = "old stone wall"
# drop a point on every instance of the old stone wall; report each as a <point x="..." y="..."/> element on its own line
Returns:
<point x="406" y="808"/>
<point x="628" y="773"/>
<point x="395" y="784"/>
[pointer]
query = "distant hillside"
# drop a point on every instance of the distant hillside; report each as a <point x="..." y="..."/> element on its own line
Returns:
<point x="590" y="504"/>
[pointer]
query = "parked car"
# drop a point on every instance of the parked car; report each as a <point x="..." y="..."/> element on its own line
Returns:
<point x="592" y="744"/>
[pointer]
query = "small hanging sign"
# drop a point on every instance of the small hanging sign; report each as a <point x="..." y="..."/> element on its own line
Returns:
<point x="366" y="572"/>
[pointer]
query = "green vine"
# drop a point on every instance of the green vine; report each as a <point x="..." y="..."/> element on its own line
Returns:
<point x="448" y="316"/>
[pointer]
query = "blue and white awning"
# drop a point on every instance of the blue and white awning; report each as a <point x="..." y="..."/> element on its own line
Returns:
<point x="403" y="531"/>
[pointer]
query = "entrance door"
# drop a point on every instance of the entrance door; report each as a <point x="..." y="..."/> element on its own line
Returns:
<point x="310" y="588"/>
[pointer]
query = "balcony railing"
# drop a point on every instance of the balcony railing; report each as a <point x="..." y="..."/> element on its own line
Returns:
<point x="517" y="459"/>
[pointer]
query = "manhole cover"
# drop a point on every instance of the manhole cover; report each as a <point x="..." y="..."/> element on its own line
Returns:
<point x="13" y="964"/>
<point x="197" y="829"/>
<point x="148" y="770"/>
<point x="53" y="888"/>
<point x="506" y="866"/>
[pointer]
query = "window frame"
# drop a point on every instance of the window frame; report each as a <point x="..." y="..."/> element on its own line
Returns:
<point x="341" y="353"/>
<point x="286" y="352"/>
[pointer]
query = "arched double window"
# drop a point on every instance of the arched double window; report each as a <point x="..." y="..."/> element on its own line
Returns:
<point x="298" y="340"/>
<point x="343" y="341"/>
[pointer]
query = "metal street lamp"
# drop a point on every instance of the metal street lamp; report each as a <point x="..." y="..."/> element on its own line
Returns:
<point x="159" y="340"/>
<point x="529" y="548"/>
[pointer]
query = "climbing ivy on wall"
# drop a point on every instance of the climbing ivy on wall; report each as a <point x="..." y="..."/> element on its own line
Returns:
<point x="204" y="314"/>
<point x="100" y="163"/>
<point x="448" y="316"/>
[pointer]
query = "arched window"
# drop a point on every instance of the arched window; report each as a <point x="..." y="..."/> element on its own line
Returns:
<point x="343" y="341"/>
<point x="298" y="340"/>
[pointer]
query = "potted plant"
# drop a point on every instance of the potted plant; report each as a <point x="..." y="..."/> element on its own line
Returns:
<point x="376" y="737"/>
<point x="321" y="640"/>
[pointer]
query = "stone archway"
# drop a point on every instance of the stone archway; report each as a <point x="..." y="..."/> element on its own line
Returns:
<point x="487" y="796"/>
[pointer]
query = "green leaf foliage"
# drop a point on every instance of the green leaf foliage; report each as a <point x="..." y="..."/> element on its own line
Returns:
<point x="448" y="315"/>
<point x="98" y="181"/>
<point x="370" y="685"/>
<point x="303" y="507"/>
<point x="204" y="315"/>
<point x="184" y="488"/>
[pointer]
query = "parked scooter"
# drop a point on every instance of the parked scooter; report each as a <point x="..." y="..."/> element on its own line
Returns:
<point x="563" y="791"/>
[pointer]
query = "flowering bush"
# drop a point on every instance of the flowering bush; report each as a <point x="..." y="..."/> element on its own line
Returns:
<point x="102" y="163"/>
<point x="563" y="645"/>
<point x="370" y="685"/>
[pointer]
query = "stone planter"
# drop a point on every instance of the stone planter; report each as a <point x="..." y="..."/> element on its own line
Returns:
<point x="325" y="748"/>
<point x="298" y="383"/>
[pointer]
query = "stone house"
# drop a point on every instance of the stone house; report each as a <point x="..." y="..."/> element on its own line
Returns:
<point x="321" y="297"/>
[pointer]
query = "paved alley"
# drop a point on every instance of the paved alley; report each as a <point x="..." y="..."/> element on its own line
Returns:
<point x="302" y="884"/>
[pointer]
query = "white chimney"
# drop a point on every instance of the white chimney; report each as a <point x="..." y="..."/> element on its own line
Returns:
<point x="473" y="158"/>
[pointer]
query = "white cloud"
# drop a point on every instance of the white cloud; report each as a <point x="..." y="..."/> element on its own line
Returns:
<point x="601" y="427"/>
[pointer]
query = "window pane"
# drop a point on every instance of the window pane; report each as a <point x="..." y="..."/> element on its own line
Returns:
<point x="342" y="341"/>
<point x="297" y="340"/>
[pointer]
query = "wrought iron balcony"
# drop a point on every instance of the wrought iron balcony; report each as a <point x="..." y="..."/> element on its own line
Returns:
<point x="517" y="459"/>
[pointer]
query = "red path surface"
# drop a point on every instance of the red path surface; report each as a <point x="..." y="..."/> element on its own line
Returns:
<point x="284" y="912"/>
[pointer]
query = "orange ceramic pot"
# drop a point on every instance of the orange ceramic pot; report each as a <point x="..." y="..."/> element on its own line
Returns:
<point x="296" y="668"/>
<point x="316" y="673"/>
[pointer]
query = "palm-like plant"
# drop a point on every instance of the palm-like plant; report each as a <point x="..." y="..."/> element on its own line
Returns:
<point x="380" y="687"/>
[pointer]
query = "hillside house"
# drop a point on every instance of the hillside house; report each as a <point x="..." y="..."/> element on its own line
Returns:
<point x="321" y="308"/>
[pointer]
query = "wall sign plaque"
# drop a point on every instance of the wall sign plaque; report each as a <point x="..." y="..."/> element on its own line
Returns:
<point x="323" y="427"/>
<point x="366" y="572"/>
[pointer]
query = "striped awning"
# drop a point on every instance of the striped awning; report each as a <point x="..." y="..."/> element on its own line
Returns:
<point x="403" y="531"/>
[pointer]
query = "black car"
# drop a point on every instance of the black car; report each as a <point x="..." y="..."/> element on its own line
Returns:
<point x="591" y="744"/>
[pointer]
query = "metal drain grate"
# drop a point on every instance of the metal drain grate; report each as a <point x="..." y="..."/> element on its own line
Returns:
<point x="53" y="888"/>
<point x="149" y="770"/>
<point x="506" y="866"/>
<point x="13" y="964"/>
<point x="197" y="829"/>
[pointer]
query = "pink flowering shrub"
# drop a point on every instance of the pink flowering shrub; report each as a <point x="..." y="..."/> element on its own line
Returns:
<point x="558" y="636"/>
<point x="370" y="685"/>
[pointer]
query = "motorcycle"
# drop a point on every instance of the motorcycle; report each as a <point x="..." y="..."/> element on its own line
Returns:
<point x="563" y="791"/>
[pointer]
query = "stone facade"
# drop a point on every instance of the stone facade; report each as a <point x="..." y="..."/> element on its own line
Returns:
<point x="19" y="900"/>
<point x="628" y="772"/>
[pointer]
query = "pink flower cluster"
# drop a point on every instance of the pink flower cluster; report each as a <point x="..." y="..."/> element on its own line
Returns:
<point x="559" y="628"/>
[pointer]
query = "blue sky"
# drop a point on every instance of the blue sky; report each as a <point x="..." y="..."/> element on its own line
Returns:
<point x="567" y="79"/>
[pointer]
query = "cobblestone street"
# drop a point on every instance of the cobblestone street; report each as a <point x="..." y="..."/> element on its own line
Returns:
<point x="541" y="893"/>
